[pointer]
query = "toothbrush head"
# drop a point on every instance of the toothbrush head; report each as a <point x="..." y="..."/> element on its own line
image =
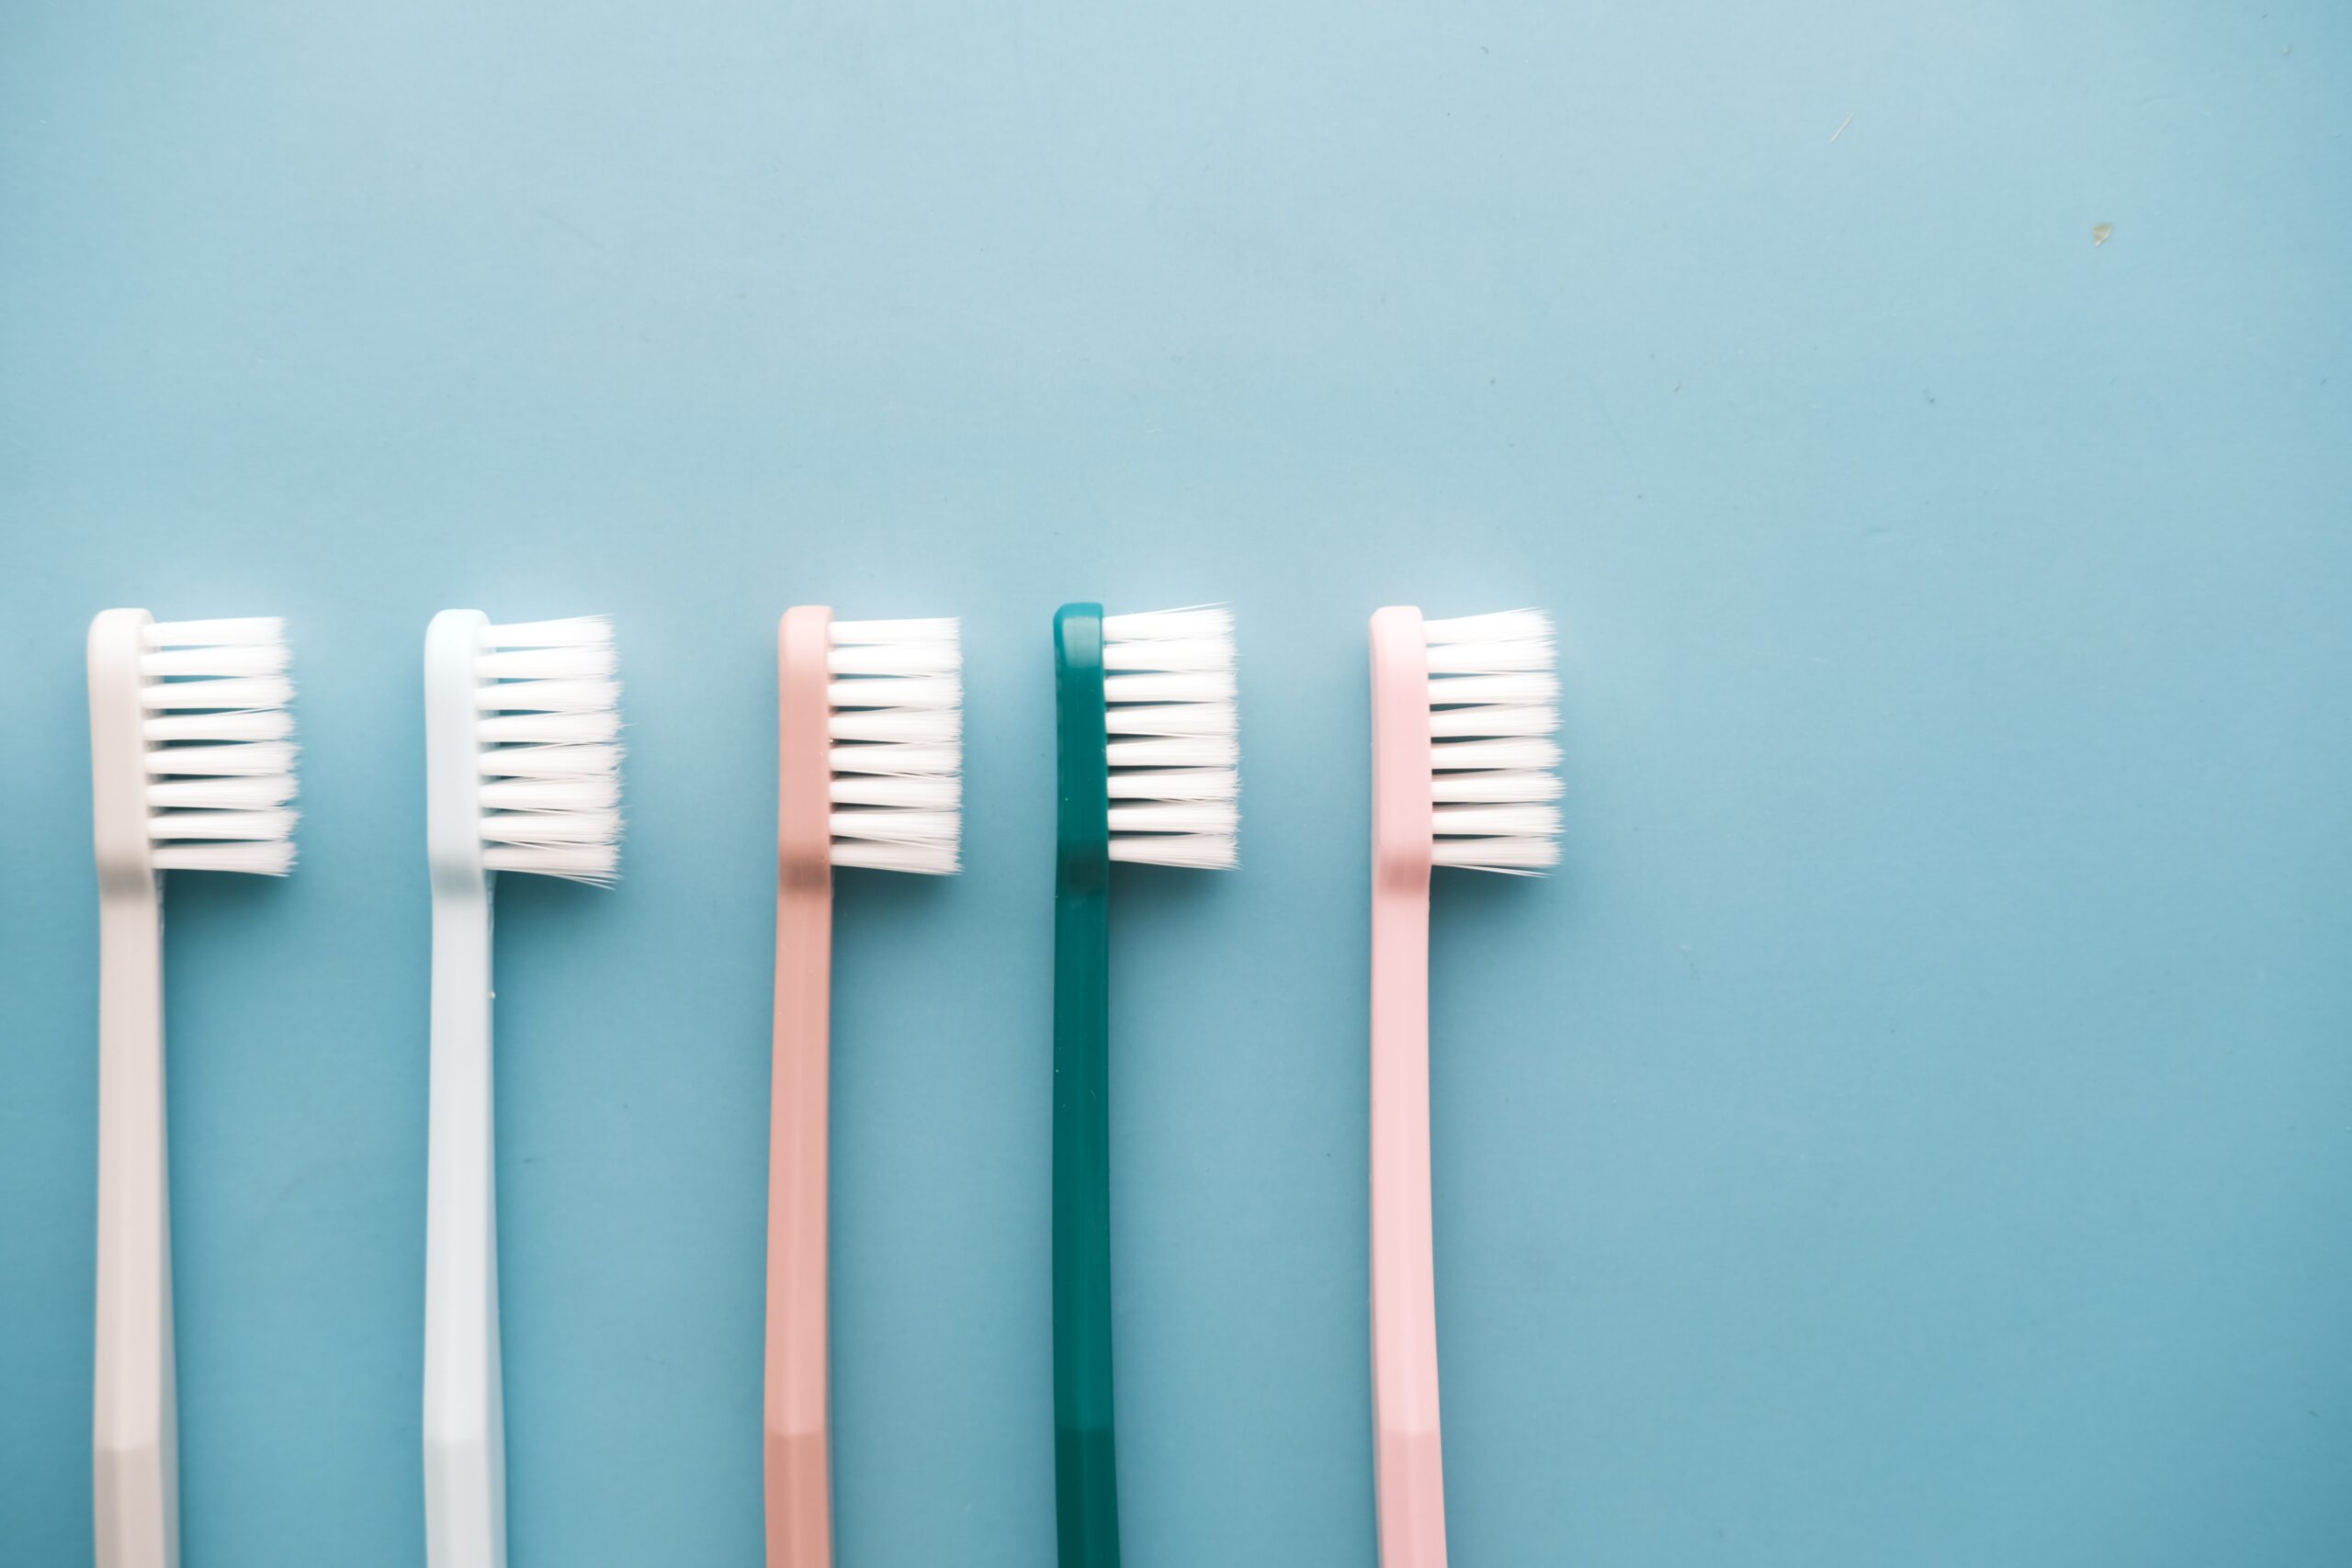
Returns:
<point x="1169" y="722"/>
<point x="1493" y="707"/>
<point x="191" y="744"/>
<point x="894" y="744"/>
<point x="522" y="727"/>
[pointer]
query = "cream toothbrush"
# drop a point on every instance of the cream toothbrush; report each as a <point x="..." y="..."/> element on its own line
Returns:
<point x="1463" y="712"/>
<point x="522" y="774"/>
<point x="1145" y="710"/>
<point x="191" y="767"/>
<point x="870" y="745"/>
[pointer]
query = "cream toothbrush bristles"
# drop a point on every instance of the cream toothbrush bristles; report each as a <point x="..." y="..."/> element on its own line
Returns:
<point x="1147" y="772"/>
<point x="1462" y="715"/>
<point x="191" y="768"/>
<point x="522" y="774"/>
<point x="869" y="760"/>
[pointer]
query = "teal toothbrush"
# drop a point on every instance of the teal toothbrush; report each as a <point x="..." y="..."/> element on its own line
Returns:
<point x="1147" y="759"/>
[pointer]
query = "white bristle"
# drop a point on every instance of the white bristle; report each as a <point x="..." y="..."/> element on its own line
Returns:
<point x="549" y="729"/>
<point x="1517" y="821"/>
<point x="599" y="864"/>
<point x="910" y="727"/>
<point x="215" y="634"/>
<point x="1491" y="787"/>
<point x="256" y="791"/>
<point x="229" y="691"/>
<point x="911" y="691"/>
<point x="1494" y="699"/>
<point x="937" y="631"/>
<point x="1498" y="626"/>
<point x="269" y="724"/>
<point x="1207" y="686"/>
<point x="917" y="792"/>
<point x="1170" y="718"/>
<point x="549" y="697"/>
<point x="1495" y="723"/>
<point x="221" y="825"/>
<point x="588" y="792"/>
<point x="219" y="756"/>
<point x="1176" y="817"/>
<point x="566" y="661"/>
<point x="1175" y="752"/>
<point x="227" y="659"/>
<point x="1169" y="711"/>
<point x="550" y="826"/>
<point x="1533" y="686"/>
<point x="891" y="825"/>
<point x="552" y="762"/>
<point x="221" y="761"/>
<point x="1197" y="852"/>
<point x="1517" y="856"/>
<point x="273" y="857"/>
<point x="895" y="648"/>
<point x="895" y="759"/>
<point x="1184" y="654"/>
<point x="572" y="631"/>
<point x="1204" y="624"/>
<point x="1531" y="755"/>
<point x="550" y="713"/>
<point x="925" y="860"/>
<point x="1489" y="658"/>
<point x="1204" y="782"/>
<point x="895" y="744"/>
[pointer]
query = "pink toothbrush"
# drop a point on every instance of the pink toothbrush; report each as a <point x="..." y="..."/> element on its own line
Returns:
<point x="1462" y="715"/>
<point x="870" y="745"/>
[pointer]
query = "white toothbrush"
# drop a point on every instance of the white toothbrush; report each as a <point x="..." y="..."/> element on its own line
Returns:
<point x="521" y="774"/>
<point x="191" y="765"/>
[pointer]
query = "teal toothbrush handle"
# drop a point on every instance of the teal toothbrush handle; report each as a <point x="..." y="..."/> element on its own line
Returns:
<point x="1086" y="1485"/>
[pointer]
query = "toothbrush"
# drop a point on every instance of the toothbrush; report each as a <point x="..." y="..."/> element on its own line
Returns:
<point x="191" y="768"/>
<point x="1148" y="774"/>
<point x="1463" y="712"/>
<point x="522" y="774"/>
<point x="870" y="744"/>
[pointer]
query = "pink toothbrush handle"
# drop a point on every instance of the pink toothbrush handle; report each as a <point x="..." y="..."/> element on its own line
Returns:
<point x="798" y="1471"/>
<point x="1409" y="1470"/>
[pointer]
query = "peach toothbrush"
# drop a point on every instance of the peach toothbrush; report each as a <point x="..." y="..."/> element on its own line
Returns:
<point x="869" y="749"/>
<point x="1463" y="712"/>
<point x="191" y="767"/>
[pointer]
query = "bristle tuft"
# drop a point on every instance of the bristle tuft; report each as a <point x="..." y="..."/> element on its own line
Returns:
<point x="219" y="754"/>
<point x="895" y="744"/>
<point x="1169" y="711"/>
<point x="215" y="634"/>
<point x="550" y="764"/>
<point x="1494" y="702"/>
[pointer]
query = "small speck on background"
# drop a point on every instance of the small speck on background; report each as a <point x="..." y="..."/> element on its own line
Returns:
<point x="2099" y="231"/>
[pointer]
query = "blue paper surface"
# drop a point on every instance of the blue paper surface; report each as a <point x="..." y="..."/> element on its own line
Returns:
<point x="1910" y="1129"/>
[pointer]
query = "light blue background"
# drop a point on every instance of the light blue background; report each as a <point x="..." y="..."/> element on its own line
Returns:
<point x="1913" y="1127"/>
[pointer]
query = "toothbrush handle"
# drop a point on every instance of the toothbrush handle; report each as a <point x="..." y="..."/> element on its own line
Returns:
<point x="799" y="1458"/>
<point x="1409" y="1473"/>
<point x="465" y="1445"/>
<point x="1086" y="1478"/>
<point x="1085" y="1451"/>
<point x="135" y="1474"/>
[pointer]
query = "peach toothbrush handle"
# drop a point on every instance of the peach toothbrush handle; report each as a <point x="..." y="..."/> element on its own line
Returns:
<point x="798" y="1436"/>
<point x="1409" y="1465"/>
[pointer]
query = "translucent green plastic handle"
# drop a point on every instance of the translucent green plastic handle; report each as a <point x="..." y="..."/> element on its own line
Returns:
<point x="1086" y="1485"/>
